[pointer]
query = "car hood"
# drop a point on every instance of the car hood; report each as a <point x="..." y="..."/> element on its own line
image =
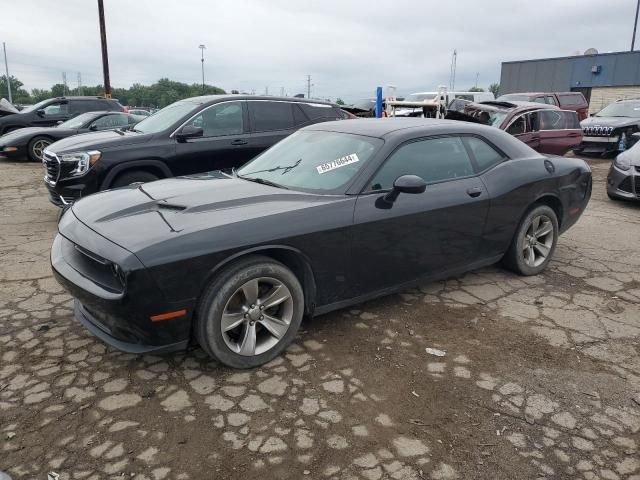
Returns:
<point x="98" y="141"/>
<point x="25" y="134"/>
<point x="614" y="122"/>
<point x="140" y="217"/>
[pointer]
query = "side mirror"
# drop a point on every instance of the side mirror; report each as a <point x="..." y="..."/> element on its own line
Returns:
<point x="636" y="136"/>
<point x="40" y="112"/>
<point x="59" y="122"/>
<point x="93" y="127"/>
<point x="592" y="114"/>
<point x="406" y="184"/>
<point x="189" y="131"/>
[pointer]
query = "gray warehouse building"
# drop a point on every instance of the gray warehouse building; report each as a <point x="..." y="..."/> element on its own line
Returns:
<point x="602" y="78"/>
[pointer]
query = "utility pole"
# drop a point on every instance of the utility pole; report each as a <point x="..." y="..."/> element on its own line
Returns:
<point x="309" y="85"/>
<point x="282" y="91"/>
<point x="452" y="76"/>
<point x="64" y="83"/>
<point x="202" y="48"/>
<point x="105" y="56"/>
<point x="6" y="68"/>
<point x="80" y="89"/>
<point x="635" y="26"/>
<point x="266" y="90"/>
<point x="477" y="76"/>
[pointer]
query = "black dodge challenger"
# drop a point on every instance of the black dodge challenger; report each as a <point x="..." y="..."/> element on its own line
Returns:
<point x="335" y="214"/>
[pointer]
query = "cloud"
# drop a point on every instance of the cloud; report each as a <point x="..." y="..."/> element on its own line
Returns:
<point x="349" y="46"/>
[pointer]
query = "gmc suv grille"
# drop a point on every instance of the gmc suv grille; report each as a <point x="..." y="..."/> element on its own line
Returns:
<point x="52" y="167"/>
<point x="597" y="131"/>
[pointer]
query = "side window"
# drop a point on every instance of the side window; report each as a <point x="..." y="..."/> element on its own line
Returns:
<point x="319" y="112"/>
<point x="269" y="116"/>
<point x="572" y="99"/>
<point x="518" y="126"/>
<point x="110" y="121"/>
<point x="58" y="108"/>
<point x="434" y="160"/>
<point x="221" y="119"/>
<point x="485" y="155"/>
<point x="299" y="117"/>
<point x="558" y="120"/>
<point x="551" y="100"/>
<point x="539" y="100"/>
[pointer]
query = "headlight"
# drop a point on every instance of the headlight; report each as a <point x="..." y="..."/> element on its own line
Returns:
<point x="83" y="160"/>
<point x="623" y="162"/>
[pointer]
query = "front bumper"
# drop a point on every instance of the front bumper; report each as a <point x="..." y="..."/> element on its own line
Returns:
<point x="115" y="307"/>
<point x="598" y="145"/>
<point x="624" y="184"/>
<point x="19" y="153"/>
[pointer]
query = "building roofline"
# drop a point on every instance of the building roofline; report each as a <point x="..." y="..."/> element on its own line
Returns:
<point x="573" y="56"/>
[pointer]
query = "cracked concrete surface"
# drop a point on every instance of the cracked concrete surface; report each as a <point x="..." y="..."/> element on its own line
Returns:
<point x="540" y="376"/>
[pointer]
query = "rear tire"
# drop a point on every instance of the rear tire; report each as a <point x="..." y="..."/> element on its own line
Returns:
<point x="534" y="243"/>
<point x="250" y="313"/>
<point x="36" y="146"/>
<point x="130" y="178"/>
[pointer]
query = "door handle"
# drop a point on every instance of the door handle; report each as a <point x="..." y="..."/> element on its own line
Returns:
<point x="474" y="192"/>
<point x="239" y="142"/>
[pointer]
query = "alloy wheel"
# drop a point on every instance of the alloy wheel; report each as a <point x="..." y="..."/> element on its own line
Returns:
<point x="39" y="147"/>
<point x="538" y="241"/>
<point x="257" y="316"/>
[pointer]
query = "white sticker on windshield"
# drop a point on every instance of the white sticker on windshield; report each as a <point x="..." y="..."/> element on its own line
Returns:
<point x="340" y="162"/>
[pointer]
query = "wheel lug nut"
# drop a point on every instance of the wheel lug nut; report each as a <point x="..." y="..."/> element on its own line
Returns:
<point x="261" y="307"/>
<point x="261" y="317"/>
<point x="245" y="315"/>
<point x="253" y="306"/>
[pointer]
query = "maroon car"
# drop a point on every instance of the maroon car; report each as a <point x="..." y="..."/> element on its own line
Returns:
<point x="565" y="100"/>
<point x="543" y="127"/>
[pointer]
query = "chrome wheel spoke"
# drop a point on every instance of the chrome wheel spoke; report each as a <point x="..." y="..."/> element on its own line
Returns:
<point x="275" y="297"/>
<point x="250" y="290"/>
<point x="276" y="327"/>
<point x="248" y="345"/>
<point x="531" y="256"/>
<point x="231" y="320"/>
<point x="545" y="229"/>
<point x="542" y="249"/>
<point x="535" y="224"/>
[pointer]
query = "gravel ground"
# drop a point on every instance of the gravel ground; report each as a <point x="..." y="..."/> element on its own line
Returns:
<point x="540" y="376"/>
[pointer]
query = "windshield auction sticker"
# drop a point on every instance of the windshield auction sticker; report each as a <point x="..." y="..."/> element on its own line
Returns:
<point x="340" y="162"/>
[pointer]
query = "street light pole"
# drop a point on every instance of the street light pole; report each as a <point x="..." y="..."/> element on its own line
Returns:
<point x="202" y="47"/>
<point x="635" y="26"/>
<point x="6" y="66"/>
<point x="105" y="56"/>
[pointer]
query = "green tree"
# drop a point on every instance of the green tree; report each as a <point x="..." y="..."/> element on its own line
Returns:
<point x="494" y="88"/>
<point x="476" y="89"/>
<point x="18" y="94"/>
<point x="339" y="101"/>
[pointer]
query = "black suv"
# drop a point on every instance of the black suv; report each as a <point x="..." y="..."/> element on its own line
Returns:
<point x="54" y="110"/>
<point x="195" y="135"/>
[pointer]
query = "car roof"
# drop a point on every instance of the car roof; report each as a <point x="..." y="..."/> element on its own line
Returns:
<point x="384" y="127"/>
<point x="517" y="105"/>
<point x="216" y="98"/>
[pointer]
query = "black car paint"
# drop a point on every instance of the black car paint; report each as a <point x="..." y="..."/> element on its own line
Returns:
<point x="345" y="248"/>
<point x="164" y="155"/>
<point x="20" y="138"/>
<point x="77" y="105"/>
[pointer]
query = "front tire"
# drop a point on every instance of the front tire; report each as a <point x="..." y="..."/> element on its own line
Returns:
<point x="250" y="313"/>
<point x="36" y="147"/>
<point x="534" y="243"/>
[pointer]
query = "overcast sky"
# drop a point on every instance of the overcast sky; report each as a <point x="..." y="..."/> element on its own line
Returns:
<point x="347" y="46"/>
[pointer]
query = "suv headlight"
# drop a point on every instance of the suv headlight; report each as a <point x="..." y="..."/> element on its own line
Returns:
<point x="83" y="160"/>
<point x="623" y="162"/>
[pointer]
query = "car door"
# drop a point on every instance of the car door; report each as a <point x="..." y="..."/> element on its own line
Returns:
<point x="224" y="142"/>
<point x="52" y="114"/>
<point x="524" y="127"/>
<point x="419" y="234"/>
<point x="559" y="131"/>
<point x="271" y="121"/>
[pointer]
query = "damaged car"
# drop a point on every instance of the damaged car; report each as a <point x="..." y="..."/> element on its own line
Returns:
<point x="335" y="214"/>
<point x="545" y="128"/>
<point x="611" y="129"/>
<point x="623" y="179"/>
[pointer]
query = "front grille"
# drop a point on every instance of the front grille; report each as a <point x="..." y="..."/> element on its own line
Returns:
<point x="52" y="167"/>
<point x="597" y="131"/>
<point x="625" y="185"/>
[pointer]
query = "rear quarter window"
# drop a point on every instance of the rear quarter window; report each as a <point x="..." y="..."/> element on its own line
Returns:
<point x="576" y="99"/>
<point x="320" y="112"/>
<point x="484" y="154"/>
<point x="268" y="116"/>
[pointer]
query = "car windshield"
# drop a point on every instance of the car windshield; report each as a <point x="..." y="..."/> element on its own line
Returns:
<point x="621" y="109"/>
<point x="166" y="117"/>
<point x="79" y="121"/>
<point x="322" y="162"/>
<point x="35" y="107"/>
<point x="513" y="98"/>
<point x="485" y="114"/>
